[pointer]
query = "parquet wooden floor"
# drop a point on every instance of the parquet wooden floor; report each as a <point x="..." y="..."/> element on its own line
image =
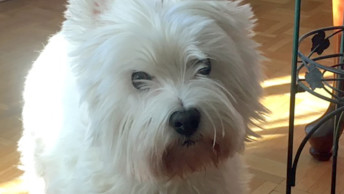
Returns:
<point x="26" y="25"/>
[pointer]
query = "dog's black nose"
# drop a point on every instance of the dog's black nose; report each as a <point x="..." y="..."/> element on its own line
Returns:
<point x="185" y="122"/>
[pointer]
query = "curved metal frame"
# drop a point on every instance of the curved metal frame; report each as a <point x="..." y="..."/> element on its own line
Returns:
<point x="298" y="84"/>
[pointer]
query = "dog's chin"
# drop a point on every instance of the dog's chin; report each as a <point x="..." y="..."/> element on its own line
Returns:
<point x="188" y="156"/>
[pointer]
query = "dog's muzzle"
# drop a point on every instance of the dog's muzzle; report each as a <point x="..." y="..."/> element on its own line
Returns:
<point x="185" y="122"/>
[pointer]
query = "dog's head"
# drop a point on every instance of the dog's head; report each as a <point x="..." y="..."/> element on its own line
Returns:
<point x="170" y="86"/>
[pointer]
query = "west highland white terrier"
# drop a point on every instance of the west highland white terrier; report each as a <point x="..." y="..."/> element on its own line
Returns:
<point x="143" y="96"/>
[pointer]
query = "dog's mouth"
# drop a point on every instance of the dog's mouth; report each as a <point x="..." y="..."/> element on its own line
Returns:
<point x="187" y="143"/>
<point x="191" y="155"/>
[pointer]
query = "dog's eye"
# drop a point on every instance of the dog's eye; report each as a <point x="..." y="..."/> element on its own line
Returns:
<point x="207" y="67"/>
<point x="138" y="79"/>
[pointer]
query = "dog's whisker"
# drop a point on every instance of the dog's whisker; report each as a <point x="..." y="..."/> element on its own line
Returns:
<point x="226" y="91"/>
<point x="221" y="122"/>
<point x="213" y="125"/>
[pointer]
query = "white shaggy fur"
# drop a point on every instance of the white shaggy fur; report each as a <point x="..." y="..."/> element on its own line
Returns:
<point x="87" y="129"/>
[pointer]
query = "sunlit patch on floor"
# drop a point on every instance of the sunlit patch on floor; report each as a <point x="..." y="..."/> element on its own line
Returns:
<point x="307" y="109"/>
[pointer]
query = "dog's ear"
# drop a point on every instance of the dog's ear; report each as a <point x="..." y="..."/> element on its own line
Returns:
<point x="86" y="10"/>
<point x="82" y="15"/>
<point x="232" y="16"/>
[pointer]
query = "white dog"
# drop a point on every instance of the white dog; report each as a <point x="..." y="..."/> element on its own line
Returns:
<point x="143" y="96"/>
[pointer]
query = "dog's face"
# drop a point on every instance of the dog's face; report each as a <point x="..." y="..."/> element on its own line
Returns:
<point x="170" y="86"/>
